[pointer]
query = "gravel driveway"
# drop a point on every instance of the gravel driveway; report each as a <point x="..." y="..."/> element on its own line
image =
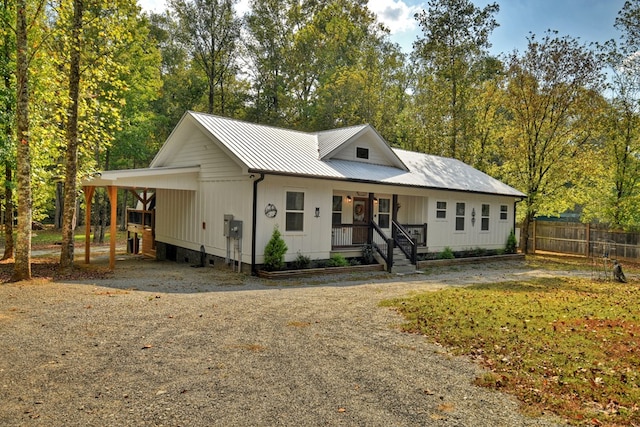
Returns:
<point x="165" y="344"/>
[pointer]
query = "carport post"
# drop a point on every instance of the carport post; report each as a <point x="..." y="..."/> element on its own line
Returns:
<point x="88" y="197"/>
<point x="113" y="199"/>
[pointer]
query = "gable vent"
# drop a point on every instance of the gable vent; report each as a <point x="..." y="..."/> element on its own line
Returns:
<point x="362" y="153"/>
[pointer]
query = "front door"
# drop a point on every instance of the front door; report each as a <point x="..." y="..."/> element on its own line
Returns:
<point x="360" y="221"/>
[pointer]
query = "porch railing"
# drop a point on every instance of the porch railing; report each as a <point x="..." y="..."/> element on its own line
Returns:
<point x="383" y="245"/>
<point x="404" y="241"/>
<point x="347" y="235"/>
<point x="418" y="233"/>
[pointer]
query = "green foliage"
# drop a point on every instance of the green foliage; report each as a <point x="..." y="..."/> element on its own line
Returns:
<point x="446" y="253"/>
<point x="337" y="260"/>
<point x="512" y="244"/>
<point x="368" y="254"/>
<point x="274" y="251"/>
<point x="561" y="344"/>
<point x="301" y="262"/>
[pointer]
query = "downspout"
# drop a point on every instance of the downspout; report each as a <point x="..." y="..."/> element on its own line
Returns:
<point x="254" y="223"/>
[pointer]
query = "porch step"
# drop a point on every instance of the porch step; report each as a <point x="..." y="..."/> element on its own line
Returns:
<point x="401" y="264"/>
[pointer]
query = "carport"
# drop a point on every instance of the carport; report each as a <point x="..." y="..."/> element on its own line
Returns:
<point x="137" y="181"/>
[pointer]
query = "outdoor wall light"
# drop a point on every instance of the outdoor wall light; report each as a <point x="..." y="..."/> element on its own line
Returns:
<point x="348" y="199"/>
<point x="375" y="200"/>
<point x="317" y="212"/>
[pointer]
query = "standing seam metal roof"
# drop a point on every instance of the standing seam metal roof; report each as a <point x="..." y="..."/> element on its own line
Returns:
<point x="283" y="151"/>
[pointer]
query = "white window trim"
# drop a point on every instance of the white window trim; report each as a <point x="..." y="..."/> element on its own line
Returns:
<point x="456" y="216"/>
<point x="303" y="211"/>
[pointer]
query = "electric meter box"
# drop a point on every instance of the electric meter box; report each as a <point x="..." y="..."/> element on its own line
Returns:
<point x="235" y="229"/>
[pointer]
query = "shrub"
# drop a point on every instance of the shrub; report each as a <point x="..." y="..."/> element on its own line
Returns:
<point x="301" y="262"/>
<point x="367" y="254"/>
<point x="512" y="244"/>
<point x="274" y="251"/>
<point x="446" y="253"/>
<point x="337" y="260"/>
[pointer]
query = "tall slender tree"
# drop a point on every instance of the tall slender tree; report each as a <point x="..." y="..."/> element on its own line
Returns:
<point x="7" y="110"/>
<point x="211" y="29"/>
<point x="71" y="151"/>
<point x="456" y="39"/>
<point x="22" y="267"/>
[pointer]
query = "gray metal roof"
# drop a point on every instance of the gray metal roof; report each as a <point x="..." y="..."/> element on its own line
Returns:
<point x="275" y="150"/>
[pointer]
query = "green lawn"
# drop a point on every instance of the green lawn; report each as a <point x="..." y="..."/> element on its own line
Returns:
<point x="566" y="345"/>
<point x="49" y="236"/>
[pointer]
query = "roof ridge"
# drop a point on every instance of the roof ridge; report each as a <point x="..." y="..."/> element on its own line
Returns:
<point x="246" y="122"/>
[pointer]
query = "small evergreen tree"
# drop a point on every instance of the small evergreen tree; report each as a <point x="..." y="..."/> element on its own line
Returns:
<point x="274" y="251"/>
<point x="512" y="244"/>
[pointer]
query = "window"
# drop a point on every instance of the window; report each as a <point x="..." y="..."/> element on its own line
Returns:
<point x="441" y="210"/>
<point x="362" y="153"/>
<point x="384" y="209"/>
<point x="484" y="221"/>
<point x="295" y="211"/>
<point x="504" y="210"/>
<point x="336" y="216"/>
<point x="460" y="216"/>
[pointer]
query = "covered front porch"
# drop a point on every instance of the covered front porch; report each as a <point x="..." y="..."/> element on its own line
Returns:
<point x="360" y="219"/>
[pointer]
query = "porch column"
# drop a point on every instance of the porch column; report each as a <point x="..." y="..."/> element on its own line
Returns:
<point x="88" y="198"/>
<point x="394" y="214"/>
<point x="113" y="199"/>
<point x="370" y="219"/>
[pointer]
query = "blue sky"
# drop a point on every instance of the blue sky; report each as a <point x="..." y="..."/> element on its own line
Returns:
<point x="588" y="20"/>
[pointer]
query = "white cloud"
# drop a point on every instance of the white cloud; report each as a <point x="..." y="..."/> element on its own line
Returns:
<point x="395" y="14"/>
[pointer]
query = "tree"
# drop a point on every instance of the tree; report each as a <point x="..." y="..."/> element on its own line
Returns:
<point x="456" y="37"/>
<point x="71" y="152"/>
<point x="22" y="267"/>
<point x="7" y="108"/>
<point x="551" y="99"/>
<point x="619" y="188"/>
<point x="270" y="38"/>
<point x="212" y="31"/>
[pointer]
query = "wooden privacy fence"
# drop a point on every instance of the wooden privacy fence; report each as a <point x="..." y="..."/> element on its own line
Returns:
<point x="590" y="240"/>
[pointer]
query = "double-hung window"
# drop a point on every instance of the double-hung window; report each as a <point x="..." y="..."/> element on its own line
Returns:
<point x="336" y="214"/>
<point x="384" y="211"/>
<point x="294" y="216"/>
<point x="460" y="209"/>
<point x="484" y="220"/>
<point x="504" y="212"/>
<point x="441" y="210"/>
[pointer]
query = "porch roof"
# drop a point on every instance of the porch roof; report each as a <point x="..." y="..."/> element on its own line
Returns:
<point x="174" y="178"/>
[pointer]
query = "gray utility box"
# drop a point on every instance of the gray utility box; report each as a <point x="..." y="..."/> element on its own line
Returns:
<point x="235" y="229"/>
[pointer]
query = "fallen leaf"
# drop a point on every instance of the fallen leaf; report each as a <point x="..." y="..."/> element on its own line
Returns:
<point x="341" y="410"/>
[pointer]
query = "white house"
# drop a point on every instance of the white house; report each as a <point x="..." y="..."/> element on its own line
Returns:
<point x="222" y="185"/>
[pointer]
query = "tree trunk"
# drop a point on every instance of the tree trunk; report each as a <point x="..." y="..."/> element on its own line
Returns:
<point x="8" y="175"/>
<point x="100" y="214"/>
<point x="71" y="153"/>
<point x="8" y="217"/>
<point x="57" y="218"/>
<point x="525" y="231"/>
<point x="22" y="267"/>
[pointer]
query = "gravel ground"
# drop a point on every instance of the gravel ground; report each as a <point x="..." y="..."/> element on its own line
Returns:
<point x="165" y="344"/>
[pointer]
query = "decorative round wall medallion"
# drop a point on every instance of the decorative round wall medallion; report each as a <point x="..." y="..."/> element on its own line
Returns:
<point x="270" y="211"/>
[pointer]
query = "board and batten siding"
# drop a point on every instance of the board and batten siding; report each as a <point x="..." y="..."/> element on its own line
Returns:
<point x="315" y="239"/>
<point x="201" y="150"/>
<point x="442" y="233"/>
<point x="376" y="155"/>
<point x="175" y="213"/>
